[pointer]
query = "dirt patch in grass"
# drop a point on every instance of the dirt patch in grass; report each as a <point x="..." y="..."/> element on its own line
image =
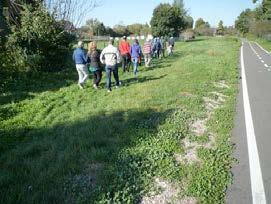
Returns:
<point x="211" y="104"/>
<point x="189" y="157"/>
<point x="169" y="194"/>
<point x="221" y="98"/>
<point x="187" y="94"/>
<point x="221" y="84"/>
<point x="214" y="53"/>
<point x="199" y="128"/>
<point x="188" y="200"/>
<point x="211" y="143"/>
<point x="81" y="184"/>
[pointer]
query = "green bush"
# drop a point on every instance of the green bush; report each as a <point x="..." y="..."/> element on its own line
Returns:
<point x="40" y="44"/>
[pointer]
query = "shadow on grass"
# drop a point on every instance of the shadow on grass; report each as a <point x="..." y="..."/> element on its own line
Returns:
<point x="80" y="162"/>
<point x="136" y="80"/>
<point x="24" y="87"/>
<point x="196" y="40"/>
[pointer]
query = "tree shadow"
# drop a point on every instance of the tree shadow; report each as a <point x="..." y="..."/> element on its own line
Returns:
<point x="136" y="80"/>
<point x="16" y="89"/>
<point x="164" y="62"/>
<point x="196" y="40"/>
<point x="79" y="162"/>
<point x="23" y="87"/>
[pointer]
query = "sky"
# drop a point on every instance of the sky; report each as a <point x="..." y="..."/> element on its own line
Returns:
<point x="112" y="12"/>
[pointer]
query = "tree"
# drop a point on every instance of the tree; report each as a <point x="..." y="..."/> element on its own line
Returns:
<point x="231" y="30"/>
<point x="200" y="23"/>
<point x="146" y="29"/>
<point x="203" y="28"/>
<point x="243" y="21"/>
<point x="189" y="22"/>
<point x="120" y="30"/>
<point x="220" y="29"/>
<point x="72" y="10"/>
<point x="180" y="4"/>
<point x="167" y="20"/>
<point x="95" y="27"/>
<point x="14" y="8"/>
<point x="40" y="44"/>
<point x="139" y="29"/>
<point x="266" y="8"/>
<point x="135" y="28"/>
<point x="3" y="23"/>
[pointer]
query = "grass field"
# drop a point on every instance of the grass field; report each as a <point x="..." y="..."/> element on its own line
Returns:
<point x="165" y="135"/>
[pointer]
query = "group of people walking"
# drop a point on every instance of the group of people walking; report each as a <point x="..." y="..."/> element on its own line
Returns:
<point x="111" y="56"/>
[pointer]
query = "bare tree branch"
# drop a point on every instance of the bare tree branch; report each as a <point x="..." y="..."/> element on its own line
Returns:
<point x="71" y="10"/>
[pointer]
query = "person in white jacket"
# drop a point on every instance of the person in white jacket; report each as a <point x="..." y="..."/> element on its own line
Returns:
<point x="110" y="56"/>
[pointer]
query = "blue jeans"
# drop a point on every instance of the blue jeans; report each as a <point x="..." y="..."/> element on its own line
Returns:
<point x="109" y="70"/>
<point x="135" y="62"/>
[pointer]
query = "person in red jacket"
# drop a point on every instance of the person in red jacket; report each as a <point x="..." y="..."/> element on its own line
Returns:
<point x="124" y="48"/>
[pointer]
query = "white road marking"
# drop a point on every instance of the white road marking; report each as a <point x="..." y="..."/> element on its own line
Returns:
<point x="257" y="187"/>
<point x="269" y="70"/>
<point x="266" y="65"/>
<point x="255" y="52"/>
<point x="262" y="48"/>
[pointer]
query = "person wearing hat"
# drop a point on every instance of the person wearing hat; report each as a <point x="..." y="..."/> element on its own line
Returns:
<point x="110" y="56"/>
<point x="124" y="48"/>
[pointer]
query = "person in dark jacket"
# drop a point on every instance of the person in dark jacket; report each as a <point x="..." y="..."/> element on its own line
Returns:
<point x="80" y="59"/>
<point x="158" y="48"/>
<point x="95" y="65"/>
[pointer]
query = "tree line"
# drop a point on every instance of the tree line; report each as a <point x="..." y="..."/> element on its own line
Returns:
<point x="256" y="22"/>
<point x="93" y="27"/>
<point x="167" y="20"/>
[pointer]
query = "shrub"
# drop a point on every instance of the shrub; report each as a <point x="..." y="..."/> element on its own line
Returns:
<point x="40" y="44"/>
<point x="188" y="34"/>
<point x="205" y="31"/>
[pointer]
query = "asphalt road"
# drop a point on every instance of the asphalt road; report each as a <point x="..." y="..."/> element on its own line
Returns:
<point x="252" y="132"/>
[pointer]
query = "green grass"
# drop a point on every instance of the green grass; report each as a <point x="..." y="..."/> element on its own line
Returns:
<point x="60" y="144"/>
<point x="263" y="42"/>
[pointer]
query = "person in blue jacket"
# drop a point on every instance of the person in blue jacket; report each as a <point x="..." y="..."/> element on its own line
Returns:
<point x="135" y="55"/>
<point x="80" y="58"/>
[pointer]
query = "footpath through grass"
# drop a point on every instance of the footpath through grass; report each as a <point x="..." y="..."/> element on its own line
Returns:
<point x="167" y="134"/>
